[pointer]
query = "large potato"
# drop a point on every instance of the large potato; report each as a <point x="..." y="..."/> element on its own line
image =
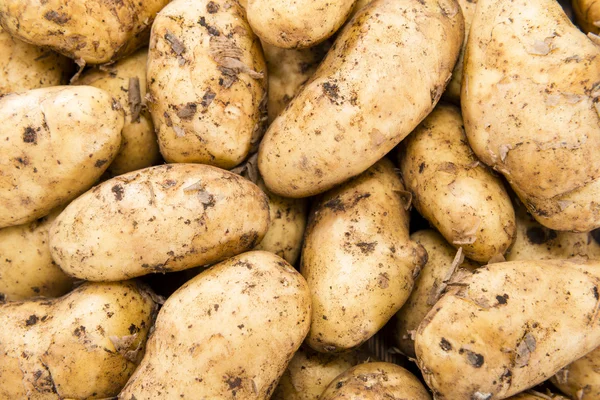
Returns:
<point x="55" y="143"/>
<point x="384" y="74"/>
<point x="159" y="219"/>
<point x="228" y="333"/>
<point x="92" y="32"/>
<point x="587" y="15"/>
<point x="26" y="266"/>
<point x="358" y="259"/>
<point x="529" y="100"/>
<point x="126" y="82"/>
<point x="453" y="191"/>
<point x="207" y="82"/>
<point x="84" y="345"/>
<point x="509" y="327"/>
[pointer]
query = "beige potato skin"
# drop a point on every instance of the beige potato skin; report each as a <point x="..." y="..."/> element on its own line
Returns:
<point x="84" y="345"/>
<point x="126" y="82"/>
<point x="26" y="266"/>
<point x="93" y="32"/>
<point x="509" y="327"/>
<point x="537" y="396"/>
<point x="453" y="191"/>
<point x="161" y="219"/>
<point x="587" y="12"/>
<point x="359" y="104"/>
<point x="376" y="381"/>
<point x="532" y="116"/>
<point x="581" y="379"/>
<point x="207" y="83"/>
<point x="358" y="259"/>
<point x="228" y="333"/>
<point x="55" y="143"/>
<point x="429" y="286"/>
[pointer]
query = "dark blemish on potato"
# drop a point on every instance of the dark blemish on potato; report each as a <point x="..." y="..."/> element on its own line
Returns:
<point x="212" y="31"/>
<point x="502" y="299"/>
<point x="366" y="247"/>
<point x="241" y="326"/>
<point x="233" y="383"/>
<point x="23" y="160"/>
<point x="331" y="90"/>
<point x="100" y="163"/>
<point x="595" y="291"/>
<point x="57" y="18"/>
<point x="176" y="45"/>
<point x="421" y="167"/>
<point x="383" y="281"/>
<point x="216" y="307"/>
<point x="133" y="329"/>
<point x="540" y="235"/>
<point x="168" y="121"/>
<point x="79" y="331"/>
<point x="242" y="263"/>
<point x="188" y="111"/>
<point x="35" y="289"/>
<point x="339" y="385"/>
<point x="474" y="359"/>
<point x="29" y="135"/>
<point x="335" y="204"/>
<point x="118" y="191"/>
<point x="249" y="240"/>
<point x="208" y="98"/>
<point x="212" y="7"/>
<point x="32" y="320"/>
<point x="445" y="345"/>
<point x="134" y="99"/>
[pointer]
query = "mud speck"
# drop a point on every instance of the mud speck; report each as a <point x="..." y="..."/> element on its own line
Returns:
<point x="29" y="135"/>
<point x="100" y="163"/>
<point x="118" y="192"/>
<point x="32" y="320"/>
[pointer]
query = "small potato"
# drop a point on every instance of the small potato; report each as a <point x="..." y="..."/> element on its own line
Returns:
<point x="126" y="82"/>
<point x="581" y="379"/>
<point x="587" y="15"/>
<point x="228" y="333"/>
<point x="358" y="259"/>
<point x="376" y="381"/>
<point x="207" y="83"/>
<point x="55" y="143"/>
<point x="26" y="266"/>
<point x="84" y="345"/>
<point x="453" y="191"/>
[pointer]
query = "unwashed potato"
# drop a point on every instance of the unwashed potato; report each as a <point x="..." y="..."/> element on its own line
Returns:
<point x="509" y="327"/>
<point x="228" y="333"/>
<point x="530" y="106"/>
<point x="159" y="219"/>
<point x="587" y="15"/>
<point x="533" y="395"/>
<point x="93" y="32"/>
<point x="26" y="266"/>
<point x="126" y="82"/>
<point x="376" y="381"/>
<point x="444" y="265"/>
<point x="55" y="143"/>
<point x="452" y="190"/>
<point x="84" y="345"/>
<point x="207" y="82"/>
<point x="581" y="379"/>
<point x="359" y="104"/>
<point x="358" y="259"/>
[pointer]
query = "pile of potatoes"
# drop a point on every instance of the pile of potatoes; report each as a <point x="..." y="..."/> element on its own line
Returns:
<point x="307" y="200"/>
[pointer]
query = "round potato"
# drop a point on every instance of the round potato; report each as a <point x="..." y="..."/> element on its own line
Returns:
<point x="587" y="15"/>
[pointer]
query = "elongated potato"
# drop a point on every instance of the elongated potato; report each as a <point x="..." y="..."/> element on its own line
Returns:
<point x="84" y="345"/>
<point x="376" y="381"/>
<point x="55" y="143"/>
<point x="228" y="333"/>
<point x="587" y="15"/>
<point x="94" y="32"/>
<point x="207" y="82"/>
<point x="453" y="191"/>
<point x="529" y="99"/>
<point x="26" y="266"/>
<point x="160" y="219"/>
<point x="359" y="104"/>
<point x="126" y="82"/>
<point x="509" y="327"/>
<point x="581" y="379"/>
<point x="358" y="259"/>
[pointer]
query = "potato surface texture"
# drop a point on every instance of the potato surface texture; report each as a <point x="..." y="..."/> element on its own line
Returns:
<point x="55" y="143"/>
<point x="359" y="104"/>
<point x="581" y="379"/>
<point x="587" y="15"/>
<point x="228" y="333"/>
<point x="84" y="345"/>
<point x="160" y="219"/>
<point x="532" y="395"/>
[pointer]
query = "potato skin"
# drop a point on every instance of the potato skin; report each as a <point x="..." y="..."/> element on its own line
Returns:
<point x="84" y="345"/>
<point x="358" y="259"/>
<point x="532" y="395"/>
<point x="207" y="82"/>
<point x="586" y="13"/>
<point x="453" y="191"/>
<point x="538" y="125"/>
<point x="161" y="219"/>
<point x="581" y="378"/>
<point x="26" y="266"/>
<point x="509" y="327"/>
<point x="375" y="381"/>
<point x="228" y="333"/>
<point x="359" y="105"/>
<point x="55" y="143"/>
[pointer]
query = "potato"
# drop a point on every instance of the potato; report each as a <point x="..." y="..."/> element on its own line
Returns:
<point x="228" y="333"/>
<point x="298" y="24"/>
<point x="207" y="83"/>
<point x="587" y="15"/>
<point x="93" y="32"/>
<point x="160" y="219"/>
<point x="55" y="143"/>
<point x="533" y="395"/>
<point x="529" y="100"/>
<point x="84" y="345"/>
<point x="26" y="266"/>
<point x="361" y="101"/>
<point x="581" y="379"/>
<point x="453" y="191"/>
<point x="509" y="327"/>
<point x="358" y="259"/>
<point x="376" y="381"/>
<point x="444" y="265"/>
<point x="126" y="82"/>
